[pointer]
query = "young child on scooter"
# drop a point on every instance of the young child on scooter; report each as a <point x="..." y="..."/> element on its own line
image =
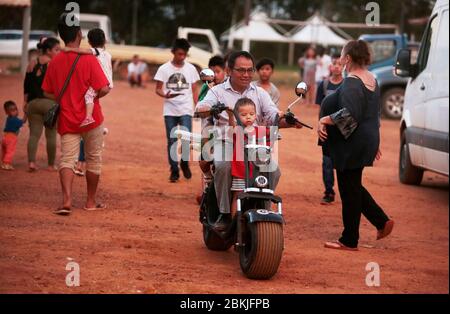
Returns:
<point x="245" y="111"/>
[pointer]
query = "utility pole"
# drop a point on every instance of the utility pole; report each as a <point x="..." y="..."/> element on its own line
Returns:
<point x="135" y="22"/>
<point x="233" y="24"/>
<point x="25" y="38"/>
<point x="403" y="10"/>
<point x="246" y="41"/>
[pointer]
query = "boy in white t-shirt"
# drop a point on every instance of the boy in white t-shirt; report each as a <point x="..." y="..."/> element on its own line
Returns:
<point x="323" y="65"/>
<point x="176" y="83"/>
<point x="97" y="40"/>
<point x="136" y="69"/>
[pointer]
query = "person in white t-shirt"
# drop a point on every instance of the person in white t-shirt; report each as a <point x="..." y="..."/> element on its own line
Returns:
<point x="176" y="83"/>
<point x="97" y="40"/>
<point x="323" y="65"/>
<point x="136" y="69"/>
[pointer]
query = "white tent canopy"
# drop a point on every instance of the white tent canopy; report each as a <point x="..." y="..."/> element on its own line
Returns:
<point x="257" y="30"/>
<point x="317" y="32"/>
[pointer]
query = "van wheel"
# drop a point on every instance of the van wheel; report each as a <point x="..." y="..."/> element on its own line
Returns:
<point x="392" y="102"/>
<point x="408" y="173"/>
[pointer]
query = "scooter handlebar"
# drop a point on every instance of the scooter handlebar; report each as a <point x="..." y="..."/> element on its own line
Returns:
<point x="292" y="120"/>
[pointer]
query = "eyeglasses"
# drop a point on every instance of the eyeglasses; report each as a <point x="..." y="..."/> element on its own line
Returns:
<point x="242" y="71"/>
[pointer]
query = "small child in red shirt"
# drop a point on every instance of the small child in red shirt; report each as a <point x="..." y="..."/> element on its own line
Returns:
<point x="245" y="111"/>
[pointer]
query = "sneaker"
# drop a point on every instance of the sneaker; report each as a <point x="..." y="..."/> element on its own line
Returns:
<point x="186" y="171"/>
<point x="174" y="176"/>
<point x="222" y="222"/>
<point x="327" y="199"/>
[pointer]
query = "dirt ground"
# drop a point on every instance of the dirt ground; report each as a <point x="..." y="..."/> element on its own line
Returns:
<point x="149" y="239"/>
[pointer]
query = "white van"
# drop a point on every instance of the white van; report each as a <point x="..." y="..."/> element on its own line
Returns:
<point x="424" y="125"/>
<point x="90" y="21"/>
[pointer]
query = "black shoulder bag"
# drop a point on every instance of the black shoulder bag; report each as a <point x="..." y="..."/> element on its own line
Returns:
<point x="52" y="114"/>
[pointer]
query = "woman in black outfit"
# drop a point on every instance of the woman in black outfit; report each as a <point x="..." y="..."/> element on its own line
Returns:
<point x="349" y="127"/>
<point x="37" y="106"/>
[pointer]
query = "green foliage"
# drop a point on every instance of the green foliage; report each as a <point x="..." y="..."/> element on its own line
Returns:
<point x="158" y="20"/>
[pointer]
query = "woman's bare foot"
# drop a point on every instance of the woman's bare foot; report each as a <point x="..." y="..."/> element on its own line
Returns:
<point x="32" y="167"/>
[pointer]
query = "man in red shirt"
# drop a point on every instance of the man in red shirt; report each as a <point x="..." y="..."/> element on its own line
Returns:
<point x="87" y="73"/>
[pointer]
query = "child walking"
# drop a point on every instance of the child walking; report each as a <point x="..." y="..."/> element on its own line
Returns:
<point x="11" y="131"/>
<point x="265" y="68"/>
<point x="176" y="83"/>
<point x="325" y="88"/>
<point x="97" y="40"/>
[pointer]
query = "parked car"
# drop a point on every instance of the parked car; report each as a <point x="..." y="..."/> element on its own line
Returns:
<point x="11" y="41"/>
<point x="425" y="121"/>
<point x="385" y="48"/>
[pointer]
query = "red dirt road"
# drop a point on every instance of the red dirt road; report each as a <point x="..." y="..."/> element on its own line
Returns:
<point x="149" y="239"/>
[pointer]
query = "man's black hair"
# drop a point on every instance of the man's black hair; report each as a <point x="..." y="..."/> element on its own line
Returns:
<point x="68" y="33"/>
<point x="263" y="62"/>
<point x="336" y="55"/>
<point x="216" y="61"/>
<point x="232" y="58"/>
<point x="9" y="104"/>
<point x="97" y="38"/>
<point x="47" y="44"/>
<point x="181" y="43"/>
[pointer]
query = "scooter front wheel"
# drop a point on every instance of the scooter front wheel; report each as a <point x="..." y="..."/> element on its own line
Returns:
<point x="261" y="255"/>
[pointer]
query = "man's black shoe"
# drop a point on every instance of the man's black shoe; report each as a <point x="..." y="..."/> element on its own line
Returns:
<point x="327" y="199"/>
<point x="174" y="176"/>
<point x="222" y="222"/>
<point x="186" y="171"/>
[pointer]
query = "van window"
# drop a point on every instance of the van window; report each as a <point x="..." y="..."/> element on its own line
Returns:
<point x="10" y="36"/>
<point x="87" y="25"/>
<point x="383" y="50"/>
<point x="428" y="40"/>
<point x="200" y="41"/>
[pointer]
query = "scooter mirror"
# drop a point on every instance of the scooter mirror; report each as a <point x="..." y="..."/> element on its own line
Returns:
<point x="301" y="89"/>
<point x="207" y="75"/>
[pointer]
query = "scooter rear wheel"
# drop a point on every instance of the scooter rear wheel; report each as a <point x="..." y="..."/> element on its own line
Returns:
<point x="261" y="255"/>
<point x="214" y="242"/>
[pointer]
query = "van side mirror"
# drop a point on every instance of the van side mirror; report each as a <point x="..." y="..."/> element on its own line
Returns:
<point x="403" y="67"/>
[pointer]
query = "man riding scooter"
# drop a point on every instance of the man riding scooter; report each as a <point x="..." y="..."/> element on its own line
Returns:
<point x="241" y="67"/>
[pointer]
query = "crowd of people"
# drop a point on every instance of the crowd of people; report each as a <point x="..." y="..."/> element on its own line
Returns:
<point x="77" y="79"/>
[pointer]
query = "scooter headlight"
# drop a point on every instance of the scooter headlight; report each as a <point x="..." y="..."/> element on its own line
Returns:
<point x="261" y="182"/>
<point x="262" y="156"/>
